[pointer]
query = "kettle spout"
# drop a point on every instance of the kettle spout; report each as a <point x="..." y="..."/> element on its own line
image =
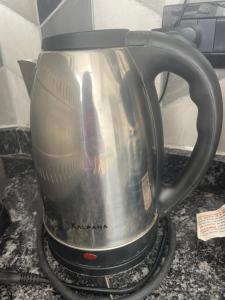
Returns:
<point x="28" y="70"/>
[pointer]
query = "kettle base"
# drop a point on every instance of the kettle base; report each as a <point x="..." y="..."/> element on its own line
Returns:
<point x="101" y="263"/>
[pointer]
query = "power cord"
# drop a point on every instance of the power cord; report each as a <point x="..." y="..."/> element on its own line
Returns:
<point x="184" y="6"/>
<point x="143" y="288"/>
<point x="165" y="87"/>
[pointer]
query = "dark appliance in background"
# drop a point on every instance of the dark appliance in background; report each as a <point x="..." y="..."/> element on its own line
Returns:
<point x="98" y="148"/>
<point x="207" y="19"/>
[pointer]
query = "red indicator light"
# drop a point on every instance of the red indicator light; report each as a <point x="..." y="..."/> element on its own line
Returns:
<point x="89" y="256"/>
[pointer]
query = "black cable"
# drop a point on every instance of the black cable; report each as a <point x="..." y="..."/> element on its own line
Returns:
<point x="11" y="277"/>
<point x="150" y="286"/>
<point x="140" y="290"/>
<point x="7" y="277"/>
<point x="145" y="288"/>
<point x="184" y="6"/>
<point x="165" y="87"/>
<point x="128" y="290"/>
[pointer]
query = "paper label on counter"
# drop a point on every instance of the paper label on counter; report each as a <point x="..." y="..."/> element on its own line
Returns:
<point x="211" y="224"/>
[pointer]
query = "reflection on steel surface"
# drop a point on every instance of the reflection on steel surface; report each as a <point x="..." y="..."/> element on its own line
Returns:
<point x="93" y="144"/>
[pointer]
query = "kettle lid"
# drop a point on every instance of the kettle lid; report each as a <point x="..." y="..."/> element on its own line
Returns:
<point x="96" y="39"/>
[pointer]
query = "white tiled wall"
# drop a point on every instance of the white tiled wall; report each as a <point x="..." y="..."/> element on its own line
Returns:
<point x="19" y="98"/>
<point x="7" y="111"/>
<point x="69" y="16"/>
<point x="131" y="14"/>
<point x="19" y="39"/>
<point x="25" y="8"/>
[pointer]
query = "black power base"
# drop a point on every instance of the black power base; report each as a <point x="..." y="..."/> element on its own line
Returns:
<point x="107" y="262"/>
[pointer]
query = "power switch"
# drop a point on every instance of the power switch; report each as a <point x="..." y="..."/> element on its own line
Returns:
<point x="219" y="44"/>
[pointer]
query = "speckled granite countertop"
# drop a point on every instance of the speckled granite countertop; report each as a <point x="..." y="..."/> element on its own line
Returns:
<point x="198" y="270"/>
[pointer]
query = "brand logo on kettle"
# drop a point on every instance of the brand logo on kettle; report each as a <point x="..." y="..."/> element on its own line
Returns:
<point x="89" y="227"/>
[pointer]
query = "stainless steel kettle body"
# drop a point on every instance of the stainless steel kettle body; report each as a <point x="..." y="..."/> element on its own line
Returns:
<point x="98" y="146"/>
<point x="93" y="145"/>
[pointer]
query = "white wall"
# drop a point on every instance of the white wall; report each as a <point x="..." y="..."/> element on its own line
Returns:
<point x="132" y="14"/>
<point x="19" y="39"/>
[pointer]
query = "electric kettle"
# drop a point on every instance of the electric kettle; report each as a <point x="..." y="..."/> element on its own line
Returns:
<point x="97" y="141"/>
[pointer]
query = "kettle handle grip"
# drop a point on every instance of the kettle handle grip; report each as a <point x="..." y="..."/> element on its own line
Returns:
<point x="162" y="52"/>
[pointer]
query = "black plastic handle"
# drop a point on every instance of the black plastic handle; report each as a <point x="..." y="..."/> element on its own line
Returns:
<point x="162" y="52"/>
